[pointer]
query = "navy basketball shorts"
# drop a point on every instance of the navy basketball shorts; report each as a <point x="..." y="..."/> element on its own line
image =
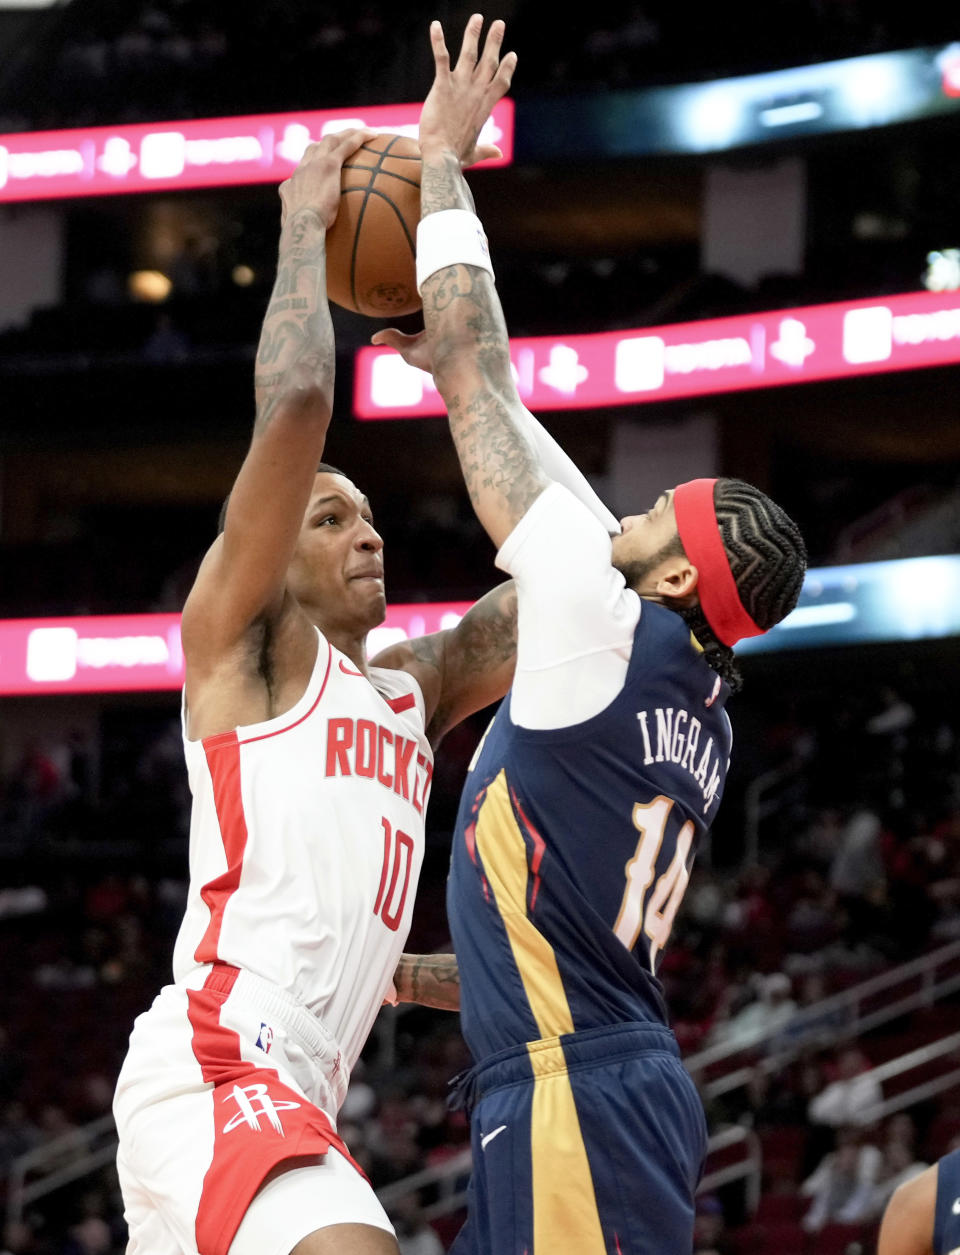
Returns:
<point x="588" y="1144"/>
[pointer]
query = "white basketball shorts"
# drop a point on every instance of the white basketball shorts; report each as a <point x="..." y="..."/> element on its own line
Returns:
<point x="220" y="1085"/>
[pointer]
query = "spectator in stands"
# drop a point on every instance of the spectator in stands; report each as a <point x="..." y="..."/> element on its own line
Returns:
<point x="848" y="1089"/>
<point x="842" y="1188"/>
<point x="818" y="1024"/>
<point x="847" y="1099"/>
<point x="763" y="1018"/>
<point x="393" y="1140"/>
<point x="812" y="920"/>
<point x="901" y="1130"/>
<point x="857" y="872"/>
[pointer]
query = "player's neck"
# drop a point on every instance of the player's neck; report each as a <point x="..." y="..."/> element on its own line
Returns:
<point x="349" y="641"/>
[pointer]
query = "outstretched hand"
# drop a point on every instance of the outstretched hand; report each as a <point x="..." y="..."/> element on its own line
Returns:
<point x="461" y="99"/>
<point x="414" y="349"/>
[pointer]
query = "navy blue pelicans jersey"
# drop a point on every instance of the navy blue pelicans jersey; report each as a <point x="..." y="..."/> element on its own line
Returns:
<point x="573" y="848"/>
<point x="946" y="1226"/>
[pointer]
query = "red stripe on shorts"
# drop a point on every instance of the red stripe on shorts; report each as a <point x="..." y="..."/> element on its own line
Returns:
<point x="223" y="763"/>
<point x="258" y="1121"/>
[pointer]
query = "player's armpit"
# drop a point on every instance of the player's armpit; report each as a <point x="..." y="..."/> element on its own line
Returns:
<point x="907" y="1227"/>
<point x="429" y="980"/>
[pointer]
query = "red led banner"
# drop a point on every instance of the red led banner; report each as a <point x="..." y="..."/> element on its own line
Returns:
<point x="209" y="152"/>
<point x="693" y="359"/>
<point x="142" y="652"/>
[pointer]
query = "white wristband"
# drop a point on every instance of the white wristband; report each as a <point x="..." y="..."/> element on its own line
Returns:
<point x="451" y="237"/>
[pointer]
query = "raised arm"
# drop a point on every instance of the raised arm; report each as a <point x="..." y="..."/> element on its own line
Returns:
<point x="462" y="313"/>
<point x="242" y="578"/>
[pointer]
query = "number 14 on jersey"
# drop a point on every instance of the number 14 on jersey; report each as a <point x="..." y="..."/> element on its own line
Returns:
<point x="652" y="911"/>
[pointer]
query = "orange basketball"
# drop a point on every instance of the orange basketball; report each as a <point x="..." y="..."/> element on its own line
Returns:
<point x="371" y="247"/>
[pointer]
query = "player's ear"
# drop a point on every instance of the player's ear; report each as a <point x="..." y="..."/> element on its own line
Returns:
<point x="677" y="579"/>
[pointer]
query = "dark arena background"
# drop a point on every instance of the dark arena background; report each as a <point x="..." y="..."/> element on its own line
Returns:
<point x="727" y="241"/>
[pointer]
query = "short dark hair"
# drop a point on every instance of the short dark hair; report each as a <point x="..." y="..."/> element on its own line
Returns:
<point x="768" y="559"/>
<point x="322" y="468"/>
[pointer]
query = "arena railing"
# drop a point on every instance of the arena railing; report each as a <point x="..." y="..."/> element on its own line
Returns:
<point x="66" y="1158"/>
<point x="947" y="1048"/>
<point x="918" y="984"/>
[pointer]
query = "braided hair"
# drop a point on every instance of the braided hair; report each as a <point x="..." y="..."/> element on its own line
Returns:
<point x="767" y="558"/>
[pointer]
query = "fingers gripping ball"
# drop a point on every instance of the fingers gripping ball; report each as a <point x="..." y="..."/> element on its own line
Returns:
<point x="371" y="247"/>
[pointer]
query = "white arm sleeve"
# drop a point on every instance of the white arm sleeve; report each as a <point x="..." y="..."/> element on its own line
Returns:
<point x="558" y="466"/>
<point x="576" y="617"/>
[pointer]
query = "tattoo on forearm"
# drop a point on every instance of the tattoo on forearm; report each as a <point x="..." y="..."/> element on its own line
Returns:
<point x="463" y="319"/>
<point x="432" y="980"/>
<point x="493" y="453"/>
<point x="297" y="332"/>
<point x="443" y="186"/>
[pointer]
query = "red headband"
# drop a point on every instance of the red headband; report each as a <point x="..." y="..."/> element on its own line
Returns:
<point x="700" y="536"/>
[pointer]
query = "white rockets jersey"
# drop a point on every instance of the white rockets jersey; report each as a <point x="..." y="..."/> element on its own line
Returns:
<point x="306" y="841"/>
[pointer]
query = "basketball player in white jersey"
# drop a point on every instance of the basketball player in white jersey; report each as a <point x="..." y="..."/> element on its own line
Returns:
<point x="310" y="771"/>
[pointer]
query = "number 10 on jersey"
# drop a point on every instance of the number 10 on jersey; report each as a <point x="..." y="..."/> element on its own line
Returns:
<point x="643" y="909"/>
<point x="397" y="849"/>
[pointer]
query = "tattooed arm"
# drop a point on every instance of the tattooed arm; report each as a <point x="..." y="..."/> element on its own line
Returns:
<point x="244" y="574"/>
<point x="462" y="314"/>
<point x="465" y="668"/>
<point x="430" y="980"/>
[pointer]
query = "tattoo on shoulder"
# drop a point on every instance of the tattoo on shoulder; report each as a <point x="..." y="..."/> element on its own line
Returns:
<point x="492" y="638"/>
<point x="427" y="649"/>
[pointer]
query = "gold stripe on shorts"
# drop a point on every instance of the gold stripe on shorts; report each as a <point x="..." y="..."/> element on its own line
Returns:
<point x="565" y="1213"/>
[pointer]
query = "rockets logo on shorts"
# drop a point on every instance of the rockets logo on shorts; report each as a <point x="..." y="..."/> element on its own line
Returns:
<point x="247" y="1097"/>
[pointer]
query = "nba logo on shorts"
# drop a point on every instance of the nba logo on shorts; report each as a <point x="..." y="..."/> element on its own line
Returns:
<point x="265" y="1040"/>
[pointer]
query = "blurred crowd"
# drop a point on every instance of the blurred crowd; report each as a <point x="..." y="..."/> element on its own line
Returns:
<point x="154" y="59"/>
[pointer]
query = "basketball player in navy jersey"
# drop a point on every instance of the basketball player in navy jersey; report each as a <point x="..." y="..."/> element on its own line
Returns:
<point x="923" y="1216"/>
<point x="595" y="782"/>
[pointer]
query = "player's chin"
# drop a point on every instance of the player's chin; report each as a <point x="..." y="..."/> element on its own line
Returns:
<point x="370" y="598"/>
